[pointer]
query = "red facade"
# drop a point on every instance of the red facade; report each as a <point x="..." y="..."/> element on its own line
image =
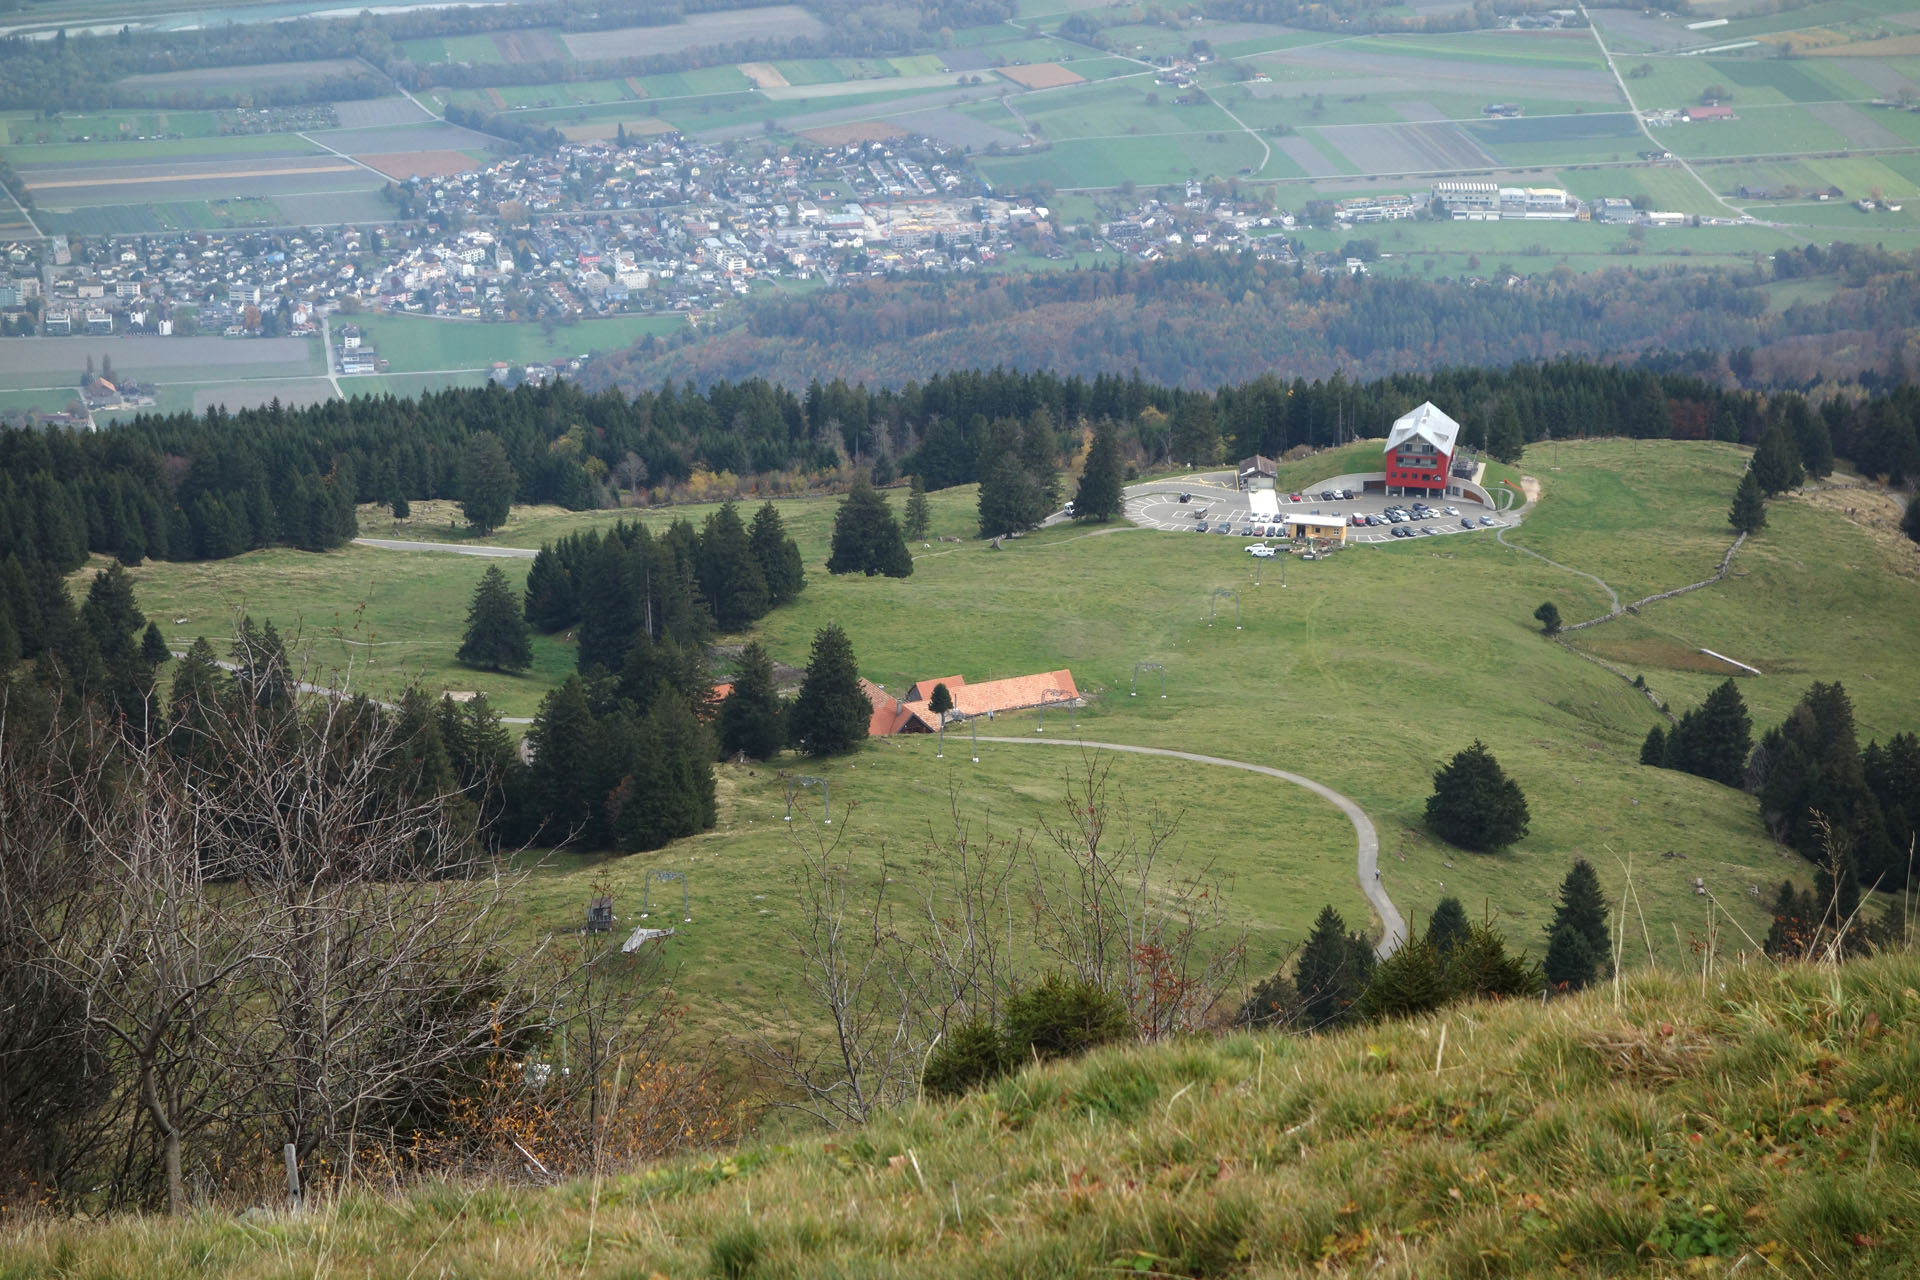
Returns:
<point x="1418" y="464"/>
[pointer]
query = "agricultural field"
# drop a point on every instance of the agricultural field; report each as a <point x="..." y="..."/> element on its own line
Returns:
<point x="730" y="26"/>
<point x="1330" y="654"/>
<point x="419" y="344"/>
<point x="190" y="215"/>
<point x="34" y="363"/>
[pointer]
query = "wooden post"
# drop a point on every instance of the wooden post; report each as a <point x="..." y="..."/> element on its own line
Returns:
<point x="293" y="1176"/>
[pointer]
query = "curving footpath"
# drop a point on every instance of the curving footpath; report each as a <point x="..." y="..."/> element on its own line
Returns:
<point x="1393" y="927"/>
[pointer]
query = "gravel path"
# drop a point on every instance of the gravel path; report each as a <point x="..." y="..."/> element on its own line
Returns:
<point x="1393" y="926"/>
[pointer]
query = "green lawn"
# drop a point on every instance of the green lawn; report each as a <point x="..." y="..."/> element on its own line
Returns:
<point x="1365" y="671"/>
<point x="1107" y="162"/>
<point x="418" y="343"/>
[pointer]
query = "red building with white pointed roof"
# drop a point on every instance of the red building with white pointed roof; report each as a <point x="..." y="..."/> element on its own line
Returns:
<point x="1420" y="450"/>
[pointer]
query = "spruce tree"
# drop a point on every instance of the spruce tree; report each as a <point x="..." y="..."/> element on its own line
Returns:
<point x="1010" y="498"/>
<point x="1099" y="494"/>
<point x="566" y="762"/>
<point x="1506" y="439"/>
<point x="1331" y="973"/>
<point x="1474" y="804"/>
<point x="831" y="713"/>
<point x="1776" y="463"/>
<point x="1481" y="968"/>
<point x="485" y="483"/>
<point x="497" y="633"/>
<point x="1570" y="963"/>
<point x="730" y="574"/>
<point x="1654" y="750"/>
<point x="1447" y="926"/>
<point x="1749" y="511"/>
<point x="941" y="700"/>
<point x="750" y="717"/>
<point x="153" y="646"/>
<point x="1910" y="522"/>
<point x="866" y="537"/>
<point x="1579" y="947"/>
<point x="1548" y="616"/>
<point x="917" y="518"/>
<point x="778" y="556"/>
<point x="1410" y="981"/>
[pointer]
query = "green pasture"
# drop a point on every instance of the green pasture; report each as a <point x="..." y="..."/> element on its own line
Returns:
<point x="700" y="80"/>
<point x="413" y="344"/>
<point x="1150" y="39"/>
<point x="1107" y="162"/>
<point x="182" y="215"/>
<point x="1106" y="110"/>
<point x="1679" y="82"/>
<point x="1268" y="111"/>
<point x="1511" y="48"/>
<point x="1668" y="187"/>
<point x="44" y="401"/>
<point x="1279" y="41"/>
<point x="1364" y="671"/>
<point x="25" y="128"/>
<point x="1106" y="68"/>
<point x="1759" y="131"/>
<point x="1611" y="135"/>
<point x="161" y="149"/>
<point x="894" y="803"/>
<point x="410" y="384"/>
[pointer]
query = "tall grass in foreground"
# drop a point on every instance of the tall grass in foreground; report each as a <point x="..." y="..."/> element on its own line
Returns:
<point x="1765" y="1121"/>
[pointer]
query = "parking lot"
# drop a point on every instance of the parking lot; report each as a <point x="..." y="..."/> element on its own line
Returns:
<point x="1157" y="505"/>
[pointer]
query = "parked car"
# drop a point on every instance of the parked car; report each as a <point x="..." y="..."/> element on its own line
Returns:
<point x="1327" y="495"/>
<point x="1487" y="521"/>
<point x="1294" y="497"/>
<point x="1200" y="527"/>
<point x="1453" y="511"/>
<point x="1246" y="531"/>
<point x="1347" y="494"/>
<point x="1186" y="497"/>
<point x="1466" y="522"/>
<point x="1261" y="551"/>
<point x="1358" y="519"/>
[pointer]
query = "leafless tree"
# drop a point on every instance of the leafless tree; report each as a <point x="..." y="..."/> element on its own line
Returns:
<point x="1114" y="911"/>
<point x="851" y="1045"/>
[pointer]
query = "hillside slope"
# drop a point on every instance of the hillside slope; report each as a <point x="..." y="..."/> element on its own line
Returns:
<point x="1769" y="1123"/>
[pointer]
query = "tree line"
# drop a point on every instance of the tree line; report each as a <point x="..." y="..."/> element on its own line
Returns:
<point x="187" y="487"/>
<point x="1206" y="319"/>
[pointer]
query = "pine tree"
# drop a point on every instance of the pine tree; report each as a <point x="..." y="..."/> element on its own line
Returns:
<point x="486" y="482"/>
<point x="566" y="762"/>
<point x="1331" y="973"/>
<point x="1481" y="968"/>
<point x="1749" y="511"/>
<point x="777" y="555"/>
<point x="750" y="717"/>
<point x="866" y="537"/>
<point x="1548" y="616"/>
<point x="1776" y="463"/>
<point x="1570" y="963"/>
<point x="1910" y="522"/>
<point x="917" y="519"/>
<point x="1654" y="750"/>
<point x="1099" y="494"/>
<point x="1411" y="981"/>
<point x="1579" y="947"/>
<point x="153" y="646"/>
<point x="941" y="701"/>
<point x="497" y="633"/>
<point x="831" y="713"/>
<point x="1010" y="500"/>
<point x="1795" y="921"/>
<point x="1474" y="804"/>
<point x="1447" y="926"/>
<point x="1506" y="439"/>
<point x="730" y="574"/>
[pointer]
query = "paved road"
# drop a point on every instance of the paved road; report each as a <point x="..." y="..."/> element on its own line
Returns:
<point x="1393" y="926"/>
<point x="451" y="548"/>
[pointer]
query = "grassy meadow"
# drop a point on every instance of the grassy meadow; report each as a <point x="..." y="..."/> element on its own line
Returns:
<point x="1757" y="1124"/>
<point x="1365" y="671"/>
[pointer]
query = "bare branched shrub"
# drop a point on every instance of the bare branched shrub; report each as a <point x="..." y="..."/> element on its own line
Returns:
<point x="887" y="969"/>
